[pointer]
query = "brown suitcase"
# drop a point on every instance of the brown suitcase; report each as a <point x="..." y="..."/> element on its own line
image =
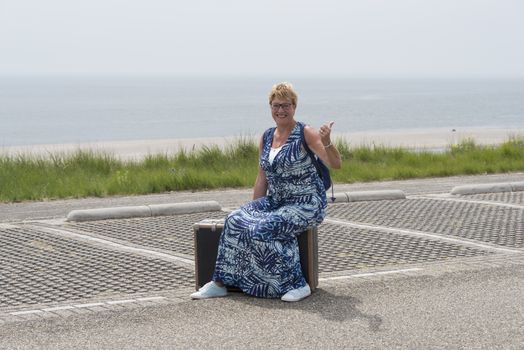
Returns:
<point x="207" y="234"/>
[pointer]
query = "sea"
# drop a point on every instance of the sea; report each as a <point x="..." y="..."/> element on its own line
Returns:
<point x="56" y="110"/>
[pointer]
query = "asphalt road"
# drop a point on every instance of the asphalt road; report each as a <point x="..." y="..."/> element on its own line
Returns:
<point x="481" y="309"/>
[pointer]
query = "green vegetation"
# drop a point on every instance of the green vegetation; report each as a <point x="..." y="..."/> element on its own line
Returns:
<point x="97" y="174"/>
<point x="466" y="158"/>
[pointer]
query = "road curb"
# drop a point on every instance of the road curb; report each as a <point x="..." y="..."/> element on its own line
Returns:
<point x="488" y="188"/>
<point x="360" y="196"/>
<point x="517" y="186"/>
<point x="142" y="211"/>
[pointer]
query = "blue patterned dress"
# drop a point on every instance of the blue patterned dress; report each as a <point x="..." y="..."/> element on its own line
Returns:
<point x="258" y="249"/>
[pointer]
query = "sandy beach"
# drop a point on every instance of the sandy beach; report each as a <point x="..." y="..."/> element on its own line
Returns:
<point x="416" y="139"/>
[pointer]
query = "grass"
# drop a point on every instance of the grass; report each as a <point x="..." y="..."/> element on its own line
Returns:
<point x="466" y="158"/>
<point x="87" y="173"/>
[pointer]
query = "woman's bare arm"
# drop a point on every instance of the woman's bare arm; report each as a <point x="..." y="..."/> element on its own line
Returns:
<point x="322" y="145"/>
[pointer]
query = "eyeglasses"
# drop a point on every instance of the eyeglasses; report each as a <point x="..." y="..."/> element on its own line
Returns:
<point x="285" y="106"/>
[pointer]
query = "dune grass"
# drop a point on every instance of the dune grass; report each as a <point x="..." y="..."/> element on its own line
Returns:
<point x="88" y="173"/>
<point x="466" y="158"/>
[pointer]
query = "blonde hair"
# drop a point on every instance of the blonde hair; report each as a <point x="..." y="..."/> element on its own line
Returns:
<point x="283" y="90"/>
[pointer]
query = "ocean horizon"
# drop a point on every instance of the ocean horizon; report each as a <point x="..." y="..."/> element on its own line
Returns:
<point x="58" y="110"/>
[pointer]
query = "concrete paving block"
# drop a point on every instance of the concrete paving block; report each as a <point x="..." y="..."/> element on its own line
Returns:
<point x="375" y="195"/>
<point x="98" y="309"/>
<point x="481" y="188"/>
<point x="109" y="213"/>
<point x="184" y="208"/>
<point x="11" y="318"/>
<point x="517" y="186"/>
<point x="31" y="317"/>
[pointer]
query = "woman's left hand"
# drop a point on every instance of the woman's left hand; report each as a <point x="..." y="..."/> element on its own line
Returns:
<point x="325" y="133"/>
<point x="320" y="143"/>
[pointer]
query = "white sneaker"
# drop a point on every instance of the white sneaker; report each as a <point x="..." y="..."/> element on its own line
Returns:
<point x="297" y="294"/>
<point x="209" y="290"/>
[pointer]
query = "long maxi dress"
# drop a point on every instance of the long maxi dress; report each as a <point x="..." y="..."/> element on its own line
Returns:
<point x="258" y="249"/>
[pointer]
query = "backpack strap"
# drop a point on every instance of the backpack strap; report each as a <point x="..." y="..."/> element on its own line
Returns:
<point x="313" y="156"/>
<point x="306" y="147"/>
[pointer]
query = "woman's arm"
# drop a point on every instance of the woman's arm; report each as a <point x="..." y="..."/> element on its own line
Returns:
<point x="320" y="143"/>
<point x="260" y="188"/>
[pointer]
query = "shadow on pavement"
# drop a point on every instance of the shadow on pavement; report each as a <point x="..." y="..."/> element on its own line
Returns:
<point x="331" y="307"/>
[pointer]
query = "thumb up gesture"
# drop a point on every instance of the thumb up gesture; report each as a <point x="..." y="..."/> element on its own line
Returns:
<point x="325" y="133"/>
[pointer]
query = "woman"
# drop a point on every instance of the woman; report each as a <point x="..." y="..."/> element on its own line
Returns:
<point x="258" y="250"/>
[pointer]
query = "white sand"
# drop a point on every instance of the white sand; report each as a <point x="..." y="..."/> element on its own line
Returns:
<point x="433" y="139"/>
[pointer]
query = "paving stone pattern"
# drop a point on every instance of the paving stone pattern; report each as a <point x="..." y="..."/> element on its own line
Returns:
<point x="340" y="248"/>
<point x="168" y="233"/>
<point x="498" y="225"/>
<point x="503" y="197"/>
<point x="344" y="248"/>
<point x="37" y="267"/>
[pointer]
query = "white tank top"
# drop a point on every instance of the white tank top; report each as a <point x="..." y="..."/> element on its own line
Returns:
<point x="273" y="153"/>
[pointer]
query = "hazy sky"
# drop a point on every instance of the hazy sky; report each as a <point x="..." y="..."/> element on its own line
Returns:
<point x="366" y="38"/>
